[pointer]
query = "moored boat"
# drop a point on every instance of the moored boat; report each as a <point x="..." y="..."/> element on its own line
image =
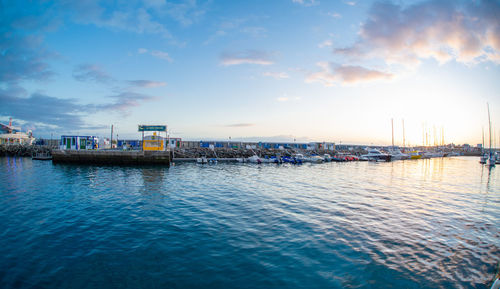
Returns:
<point x="41" y="157"/>
<point x="376" y="155"/>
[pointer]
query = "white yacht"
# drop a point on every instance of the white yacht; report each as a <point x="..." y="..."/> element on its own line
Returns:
<point x="396" y="154"/>
<point x="376" y="155"/>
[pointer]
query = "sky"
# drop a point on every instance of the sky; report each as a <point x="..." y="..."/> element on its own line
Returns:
<point x="284" y="70"/>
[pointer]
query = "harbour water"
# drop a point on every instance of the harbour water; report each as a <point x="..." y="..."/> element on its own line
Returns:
<point x="430" y="223"/>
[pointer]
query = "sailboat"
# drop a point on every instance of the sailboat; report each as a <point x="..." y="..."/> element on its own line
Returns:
<point x="491" y="158"/>
<point x="484" y="157"/>
<point x="396" y="154"/>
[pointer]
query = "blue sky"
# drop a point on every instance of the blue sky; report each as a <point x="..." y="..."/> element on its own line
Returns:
<point x="270" y="70"/>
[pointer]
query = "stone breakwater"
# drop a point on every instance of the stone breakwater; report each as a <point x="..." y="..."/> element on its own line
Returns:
<point x="29" y="150"/>
<point x="23" y="150"/>
<point x="239" y="152"/>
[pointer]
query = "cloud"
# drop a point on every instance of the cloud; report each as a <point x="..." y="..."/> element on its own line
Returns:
<point x="161" y="55"/>
<point x="44" y="111"/>
<point x="240" y="125"/>
<point x="124" y="101"/>
<point x="326" y="43"/>
<point x="185" y="12"/>
<point x="331" y="74"/>
<point x="246" y="57"/>
<point x="23" y="55"/>
<point x="276" y="75"/>
<point x="306" y="2"/>
<point x="236" y="26"/>
<point x="146" y="83"/>
<point x="467" y="32"/>
<point x="350" y="3"/>
<point x="156" y="53"/>
<point x="282" y="99"/>
<point x="122" y="17"/>
<point x="254" y="31"/>
<point x="90" y="72"/>
<point x="334" y="15"/>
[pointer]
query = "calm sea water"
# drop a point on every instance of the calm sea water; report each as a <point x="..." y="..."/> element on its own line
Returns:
<point x="405" y="224"/>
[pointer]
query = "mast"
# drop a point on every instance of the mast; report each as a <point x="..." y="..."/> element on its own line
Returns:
<point x="423" y="135"/>
<point x="482" y="147"/>
<point x="442" y="136"/>
<point x="403" y="135"/>
<point x="489" y="124"/>
<point x="111" y="139"/>
<point x="392" y="126"/>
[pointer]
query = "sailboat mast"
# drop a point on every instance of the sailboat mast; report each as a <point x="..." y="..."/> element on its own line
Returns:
<point x="392" y="126"/>
<point x="489" y="124"/>
<point x="403" y="135"/>
<point x="482" y="148"/>
<point x="442" y="136"/>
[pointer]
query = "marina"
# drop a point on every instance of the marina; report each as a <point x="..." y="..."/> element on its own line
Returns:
<point x="296" y="144"/>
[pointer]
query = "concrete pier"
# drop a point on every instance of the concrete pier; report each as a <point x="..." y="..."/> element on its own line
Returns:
<point x="112" y="157"/>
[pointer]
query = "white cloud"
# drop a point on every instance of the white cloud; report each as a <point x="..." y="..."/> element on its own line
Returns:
<point x="326" y="43"/>
<point x="334" y="15"/>
<point x="332" y="74"/>
<point x="306" y="2"/>
<point x="246" y="57"/>
<point x="142" y="50"/>
<point x="282" y="99"/>
<point x="276" y="75"/>
<point x="440" y="30"/>
<point x="146" y="83"/>
<point x="161" y="55"/>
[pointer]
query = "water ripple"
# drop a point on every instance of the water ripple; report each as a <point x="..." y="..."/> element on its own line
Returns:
<point x="407" y="224"/>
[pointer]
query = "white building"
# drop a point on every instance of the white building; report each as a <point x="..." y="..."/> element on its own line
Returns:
<point x="10" y="135"/>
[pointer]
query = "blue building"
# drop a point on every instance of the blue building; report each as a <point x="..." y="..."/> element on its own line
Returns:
<point x="75" y="142"/>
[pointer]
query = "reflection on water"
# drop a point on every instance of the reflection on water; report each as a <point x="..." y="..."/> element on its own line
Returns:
<point x="408" y="224"/>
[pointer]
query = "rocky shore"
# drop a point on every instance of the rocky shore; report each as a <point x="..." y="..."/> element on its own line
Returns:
<point x="23" y="150"/>
<point x="239" y="153"/>
<point x="29" y="150"/>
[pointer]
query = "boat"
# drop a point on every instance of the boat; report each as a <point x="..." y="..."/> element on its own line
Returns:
<point x="415" y="155"/>
<point x="396" y="154"/>
<point x="202" y="160"/>
<point x="483" y="159"/>
<point x="491" y="158"/>
<point x="255" y="159"/>
<point x="41" y="157"/>
<point x="327" y="158"/>
<point x="292" y="160"/>
<point x="342" y="157"/>
<point x="313" y="159"/>
<point x="376" y="155"/>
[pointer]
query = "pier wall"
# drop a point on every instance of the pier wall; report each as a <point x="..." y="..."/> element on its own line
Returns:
<point x="112" y="157"/>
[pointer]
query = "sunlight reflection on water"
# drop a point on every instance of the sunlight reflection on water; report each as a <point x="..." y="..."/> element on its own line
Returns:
<point x="411" y="224"/>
